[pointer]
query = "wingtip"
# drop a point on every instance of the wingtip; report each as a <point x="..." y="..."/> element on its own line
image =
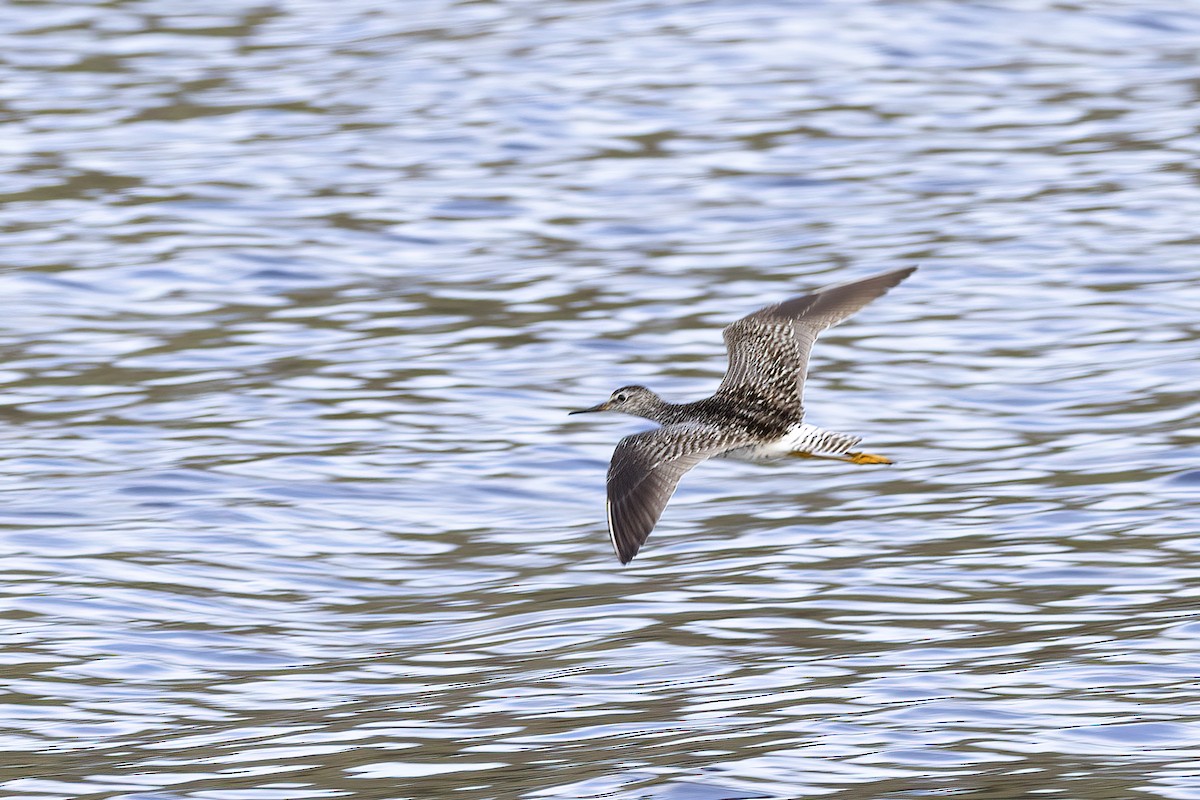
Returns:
<point x="624" y="558"/>
<point x="884" y="281"/>
<point x="612" y="536"/>
<point x="626" y="550"/>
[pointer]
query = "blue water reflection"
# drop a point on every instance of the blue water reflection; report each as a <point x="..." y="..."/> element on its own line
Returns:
<point x="300" y="295"/>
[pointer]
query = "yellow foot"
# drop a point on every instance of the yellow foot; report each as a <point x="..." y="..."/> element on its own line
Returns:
<point x="852" y="458"/>
<point x="867" y="458"/>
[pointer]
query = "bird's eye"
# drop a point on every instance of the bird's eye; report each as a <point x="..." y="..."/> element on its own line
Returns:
<point x="621" y="398"/>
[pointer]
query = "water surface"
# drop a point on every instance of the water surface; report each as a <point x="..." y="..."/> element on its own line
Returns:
<point x="298" y="298"/>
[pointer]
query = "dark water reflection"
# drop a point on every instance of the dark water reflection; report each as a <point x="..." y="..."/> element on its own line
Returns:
<point x="299" y="296"/>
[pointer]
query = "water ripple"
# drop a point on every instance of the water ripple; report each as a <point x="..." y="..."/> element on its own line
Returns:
<point x="300" y="297"/>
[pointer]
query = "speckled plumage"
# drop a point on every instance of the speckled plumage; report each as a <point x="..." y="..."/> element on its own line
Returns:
<point x="756" y="413"/>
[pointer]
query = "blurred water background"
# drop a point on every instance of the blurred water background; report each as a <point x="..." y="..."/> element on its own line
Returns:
<point x="297" y="295"/>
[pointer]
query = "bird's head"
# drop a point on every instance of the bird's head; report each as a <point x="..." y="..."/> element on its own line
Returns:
<point x="636" y="400"/>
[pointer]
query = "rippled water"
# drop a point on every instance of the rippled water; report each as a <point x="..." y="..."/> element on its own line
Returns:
<point x="298" y="296"/>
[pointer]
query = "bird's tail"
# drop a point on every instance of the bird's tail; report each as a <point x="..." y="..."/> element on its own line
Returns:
<point x="812" y="442"/>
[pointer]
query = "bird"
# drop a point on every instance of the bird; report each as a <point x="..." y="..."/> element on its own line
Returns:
<point x="756" y="413"/>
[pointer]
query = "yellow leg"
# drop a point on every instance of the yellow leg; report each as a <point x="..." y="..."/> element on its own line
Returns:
<point x="868" y="458"/>
<point x="852" y="458"/>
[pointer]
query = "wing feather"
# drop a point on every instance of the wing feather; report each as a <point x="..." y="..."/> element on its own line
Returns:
<point x="645" y="470"/>
<point x="769" y="349"/>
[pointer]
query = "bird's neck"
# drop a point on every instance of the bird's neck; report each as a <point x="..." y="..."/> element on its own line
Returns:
<point x="659" y="411"/>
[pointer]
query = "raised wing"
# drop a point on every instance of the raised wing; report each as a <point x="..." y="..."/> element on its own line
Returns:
<point x="645" y="469"/>
<point x="769" y="349"/>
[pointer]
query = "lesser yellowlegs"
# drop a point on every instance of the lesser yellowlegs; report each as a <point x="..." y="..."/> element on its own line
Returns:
<point x="756" y="413"/>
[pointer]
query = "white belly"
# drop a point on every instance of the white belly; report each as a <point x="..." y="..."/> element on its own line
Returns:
<point x="799" y="439"/>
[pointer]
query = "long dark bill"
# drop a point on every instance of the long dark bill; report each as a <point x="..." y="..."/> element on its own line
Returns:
<point x="598" y="407"/>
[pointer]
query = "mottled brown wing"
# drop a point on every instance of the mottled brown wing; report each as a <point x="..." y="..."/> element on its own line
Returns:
<point x="769" y="349"/>
<point x="645" y="469"/>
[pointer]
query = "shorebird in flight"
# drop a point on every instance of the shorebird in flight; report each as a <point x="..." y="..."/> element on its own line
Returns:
<point x="756" y="414"/>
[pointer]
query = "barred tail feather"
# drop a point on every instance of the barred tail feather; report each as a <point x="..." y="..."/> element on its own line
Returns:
<point x="811" y="440"/>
